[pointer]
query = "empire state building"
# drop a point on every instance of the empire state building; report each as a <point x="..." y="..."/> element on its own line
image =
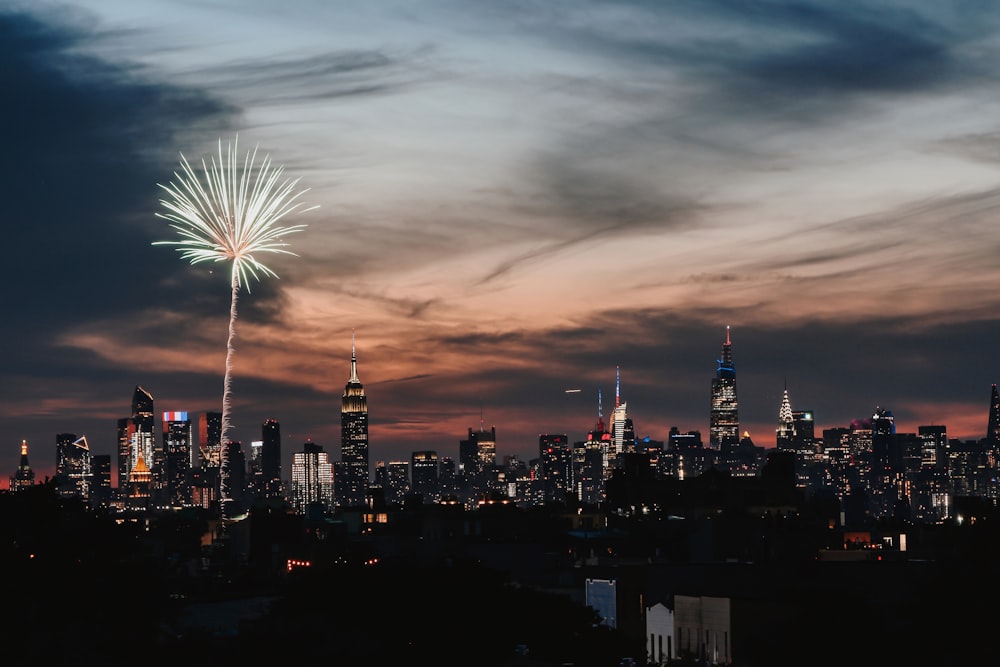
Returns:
<point x="351" y="478"/>
<point x="724" y="423"/>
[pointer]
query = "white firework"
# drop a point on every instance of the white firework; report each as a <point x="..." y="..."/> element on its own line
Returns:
<point x="231" y="216"/>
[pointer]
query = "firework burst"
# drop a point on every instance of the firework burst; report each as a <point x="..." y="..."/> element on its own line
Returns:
<point x="231" y="215"/>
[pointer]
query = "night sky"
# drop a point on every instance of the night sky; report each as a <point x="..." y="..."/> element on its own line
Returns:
<point x="514" y="200"/>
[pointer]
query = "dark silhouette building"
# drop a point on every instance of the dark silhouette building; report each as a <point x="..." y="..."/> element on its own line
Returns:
<point x="270" y="459"/>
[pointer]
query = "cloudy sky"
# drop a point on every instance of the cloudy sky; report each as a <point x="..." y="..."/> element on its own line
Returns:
<point x="515" y="199"/>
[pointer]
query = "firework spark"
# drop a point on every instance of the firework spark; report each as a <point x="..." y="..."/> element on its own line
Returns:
<point x="231" y="216"/>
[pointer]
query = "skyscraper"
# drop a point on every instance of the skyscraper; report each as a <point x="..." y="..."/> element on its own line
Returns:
<point x="24" y="476"/>
<point x="425" y="472"/>
<point x="477" y="457"/>
<point x="805" y="430"/>
<point x="352" y="483"/>
<point x="312" y="480"/>
<point x="136" y="439"/>
<point x="993" y="427"/>
<point x="784" y="434"/>
<point x="100" y="490"/>
<point x="556" y="458"/>
<point x="622" y="431"/>
<point x="886" y="461"/>
<point x="206" y="480"/>
<point x="393" y="477"/>
<point x="590" y="460"/>
<point x="74" y="475"/>
<point x="235" y="477"/>
<point x="270" y="458"/>
<point x="724" y="421"/>
<point x="256" y="474"/>
<point x="177" y="444"/>
<point x="209" y="440"/>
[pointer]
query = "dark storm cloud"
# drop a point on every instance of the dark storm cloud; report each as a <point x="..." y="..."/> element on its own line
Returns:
<point x="83" y="145"/>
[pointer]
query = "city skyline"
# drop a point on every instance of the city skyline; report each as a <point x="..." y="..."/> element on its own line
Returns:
<point x="604" y="412"/>
<point x="513" y="202"/>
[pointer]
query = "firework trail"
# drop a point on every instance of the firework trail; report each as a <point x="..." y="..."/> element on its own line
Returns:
<point x="231" y="216"/>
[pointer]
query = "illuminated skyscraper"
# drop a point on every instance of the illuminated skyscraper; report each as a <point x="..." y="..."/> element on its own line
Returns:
<point x="139" y="487"/>
<point x="724" y="421"/>
<point x="74" y="475"/>
<point x="478" y="457"/>
<point x="886" y="462"/>
<point x="312" y="480"/>
<point x="805" y="430"/>
<point x="590" y="460"/>
<point x="136" y="438"/>
<point x="206" y="480"/>
<point x="352" y="480"/>
<point x="622" y="432"/>
<point x="209" y="440"/>
<point x="557" y="466"/>
<point x="177" y="446"/>
<point x="256" y="479"/>
<point x="24" y="476"/>
<point x="784" y="436"/>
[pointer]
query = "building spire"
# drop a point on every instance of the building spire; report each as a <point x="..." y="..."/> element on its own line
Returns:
<point x="724" y="418"/>
<point x="25" y="476"/>
<point x="726" y="363"/>
<point x="618" y="386"/>
<point x="354" y="361"/>
<point x="785" y="411"/>
<point x="599" y="428"/>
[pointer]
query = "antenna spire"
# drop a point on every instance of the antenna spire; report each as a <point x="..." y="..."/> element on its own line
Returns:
<point x="618" y="386"/>
<point x="354" y="361"/>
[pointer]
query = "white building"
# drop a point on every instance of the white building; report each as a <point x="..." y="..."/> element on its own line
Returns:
<point x="660" y="646"/>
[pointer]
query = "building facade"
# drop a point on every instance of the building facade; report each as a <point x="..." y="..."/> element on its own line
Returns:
<point x="724" y="419"/>
<point x="74" y="475"/>
<point x="136" y="438"/>
<point x="177" y="447"/>
<point x="312" y="480"/>
<point x="24" y="476"/>
<point x="352" y="480"/>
